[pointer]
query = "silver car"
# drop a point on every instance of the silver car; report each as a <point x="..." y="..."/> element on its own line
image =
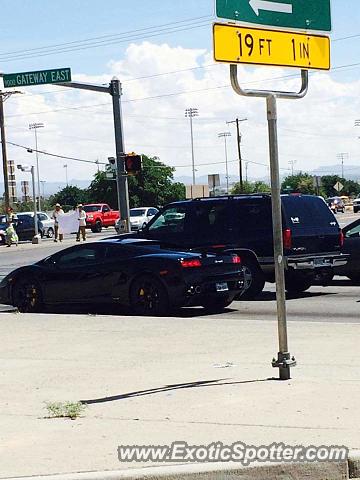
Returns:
<point x="139" y="217"/>
<point x="47" y="224"/>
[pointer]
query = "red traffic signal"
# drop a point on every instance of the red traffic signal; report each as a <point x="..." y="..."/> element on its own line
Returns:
<point x="133" y="164"/>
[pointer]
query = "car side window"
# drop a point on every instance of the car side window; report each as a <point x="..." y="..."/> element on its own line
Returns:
<point x="152" y="212"/>
<point x="172" y="220"/>
<point x="353" y="232"/>
<point x="105" y="209"/>
<point x="79" y="256"/>
<point x="42" y="217"/>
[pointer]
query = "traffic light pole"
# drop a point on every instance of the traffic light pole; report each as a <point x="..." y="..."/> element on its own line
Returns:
<point x="114" y="89"/>
<point x="121" y="176"/>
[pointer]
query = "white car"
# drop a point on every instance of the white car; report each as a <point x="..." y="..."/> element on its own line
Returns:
<point x="356" y="204"/>
<point x="139" y="217"/>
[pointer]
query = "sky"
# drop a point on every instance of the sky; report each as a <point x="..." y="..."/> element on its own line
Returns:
<point x="162" y="53"/>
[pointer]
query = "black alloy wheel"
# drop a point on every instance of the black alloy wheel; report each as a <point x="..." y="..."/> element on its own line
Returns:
<point x="97" y="227"/>
<point x="26" y="295"/>
<point x="50" y="233"/>
<point x="148" y="296"/>
<point x="254" y="280"/>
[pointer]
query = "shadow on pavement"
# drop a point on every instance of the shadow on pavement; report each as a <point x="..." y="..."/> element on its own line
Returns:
<point x="168" y="388"/>
<point x="271" y="296"/>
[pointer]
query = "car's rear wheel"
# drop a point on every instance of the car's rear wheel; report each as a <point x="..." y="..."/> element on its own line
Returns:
<point x="254" y="279"/>
<point x="148" y="296"/>
<point x="27" y="296"/>
<point x="50" y="233"/>
<point x="216" y="305"/>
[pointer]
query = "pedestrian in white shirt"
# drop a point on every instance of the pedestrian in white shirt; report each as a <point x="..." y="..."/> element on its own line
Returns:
<point x="82" y="223"/>
<point x="55" y="215"/>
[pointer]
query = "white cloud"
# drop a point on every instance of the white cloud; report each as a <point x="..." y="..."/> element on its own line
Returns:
<point x="311" y="131"/>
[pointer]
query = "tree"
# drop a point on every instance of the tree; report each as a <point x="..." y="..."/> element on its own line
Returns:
<point x="248" y="187"/>
<point x="300" y="183"/>
<point x="70" y="196"/>
<point x="152" y="186"/>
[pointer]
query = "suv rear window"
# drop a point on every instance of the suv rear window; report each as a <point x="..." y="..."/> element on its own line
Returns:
<point x="305" y="211"/>
<point x="171" y="220"/>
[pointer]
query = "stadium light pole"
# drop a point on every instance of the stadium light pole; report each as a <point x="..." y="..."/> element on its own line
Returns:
<point x="191" y="113"/>
<point x="225" y="135"/>
<point x="35" y="126"/>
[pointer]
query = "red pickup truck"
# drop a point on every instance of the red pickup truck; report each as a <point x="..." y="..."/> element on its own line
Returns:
<point x="99" y="215"/>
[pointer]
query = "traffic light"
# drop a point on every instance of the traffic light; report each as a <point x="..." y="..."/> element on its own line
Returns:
<point x="133" y="164"/>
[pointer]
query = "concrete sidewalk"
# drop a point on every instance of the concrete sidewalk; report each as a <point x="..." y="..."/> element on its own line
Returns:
<point x="154" y="381"/>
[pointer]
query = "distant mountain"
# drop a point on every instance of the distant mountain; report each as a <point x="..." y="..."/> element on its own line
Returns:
<point x="351" y="172"/>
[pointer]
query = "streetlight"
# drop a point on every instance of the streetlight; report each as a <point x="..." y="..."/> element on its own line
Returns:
<point x="224" y="135"/>
<point x="35" y="126"/>
<point x="66" y="173"/>
<point x="191" y="113"/>
<point x="43" y="188"/>
<point x="26" y="168"/>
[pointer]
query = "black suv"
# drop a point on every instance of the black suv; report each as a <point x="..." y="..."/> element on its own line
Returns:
<point x="312" y="237"/>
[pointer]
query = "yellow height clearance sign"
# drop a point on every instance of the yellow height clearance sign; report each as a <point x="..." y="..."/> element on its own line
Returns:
<point x="236" y="44"/>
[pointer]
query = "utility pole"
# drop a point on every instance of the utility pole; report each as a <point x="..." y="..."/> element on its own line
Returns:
<point x="191" y="113"/>
<point x="224" y="135"/>
<point x="3" y="97"/>
<point x="237" y="121"/>
<point x="342" y="157"/>
<point x="66" y="174"/>
<point x="246" y="171"/>
<point x="3" y="150"/>
<point x="35" y="126"/>
<point x="292" y="163"/>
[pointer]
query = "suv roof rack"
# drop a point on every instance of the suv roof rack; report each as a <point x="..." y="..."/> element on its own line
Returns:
<point x="229" y="197"/>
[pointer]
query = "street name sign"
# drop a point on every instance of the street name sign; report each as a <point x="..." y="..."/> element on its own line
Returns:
<point x="310" y="15"/>
<point x="236" y="44"/>
<point x="25" y="79"/>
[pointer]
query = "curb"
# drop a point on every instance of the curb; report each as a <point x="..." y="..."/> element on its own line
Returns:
<point x="285" y="471"/>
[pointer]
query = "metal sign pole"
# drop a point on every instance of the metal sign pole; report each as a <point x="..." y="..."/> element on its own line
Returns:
<point x="283" y="361"/>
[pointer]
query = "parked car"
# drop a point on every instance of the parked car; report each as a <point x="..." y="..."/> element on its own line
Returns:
<point x="356" y="204"/>
<point x="2" y="229"/>
<point x="312" y="237"/>
<point x="136" y="273"/>
<point x="139" y="217"/>
<point x="352" y="247"/>
<point x="100" y="215"/>
<point x="336" y="204"/>
<point x="46" y="224"/>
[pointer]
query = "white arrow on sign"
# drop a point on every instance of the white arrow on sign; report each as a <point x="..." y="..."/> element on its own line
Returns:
<point x="257" y="5"/>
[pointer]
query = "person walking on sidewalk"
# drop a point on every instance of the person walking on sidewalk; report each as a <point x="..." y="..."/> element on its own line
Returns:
<point x="10" y="232"/>
<point x="56" y="213"/>
<point x="82" y="223"/>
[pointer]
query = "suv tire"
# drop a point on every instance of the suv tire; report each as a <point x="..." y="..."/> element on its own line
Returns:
<point x="254" y="278"/>
<point x="297" y="284"/>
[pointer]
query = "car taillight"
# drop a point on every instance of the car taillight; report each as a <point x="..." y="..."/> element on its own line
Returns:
<point x="287" y="238"/>
<point x="236" y="259"/>
<point x="190" y="263"/>
<point x="341" y="238"/>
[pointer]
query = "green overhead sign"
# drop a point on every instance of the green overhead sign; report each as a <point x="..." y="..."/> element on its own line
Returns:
<point x="25" y="79"/>
<point x="310" y="15"/>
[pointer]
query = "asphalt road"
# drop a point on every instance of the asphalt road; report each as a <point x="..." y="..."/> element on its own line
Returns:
<point x="338" y="302"/>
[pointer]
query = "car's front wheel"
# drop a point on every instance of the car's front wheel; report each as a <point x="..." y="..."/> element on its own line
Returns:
<point x="97" y="227"/>
<point x="27" y="296"/>
<point x="50" y="233"/>
<point x="148" y="296"/>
